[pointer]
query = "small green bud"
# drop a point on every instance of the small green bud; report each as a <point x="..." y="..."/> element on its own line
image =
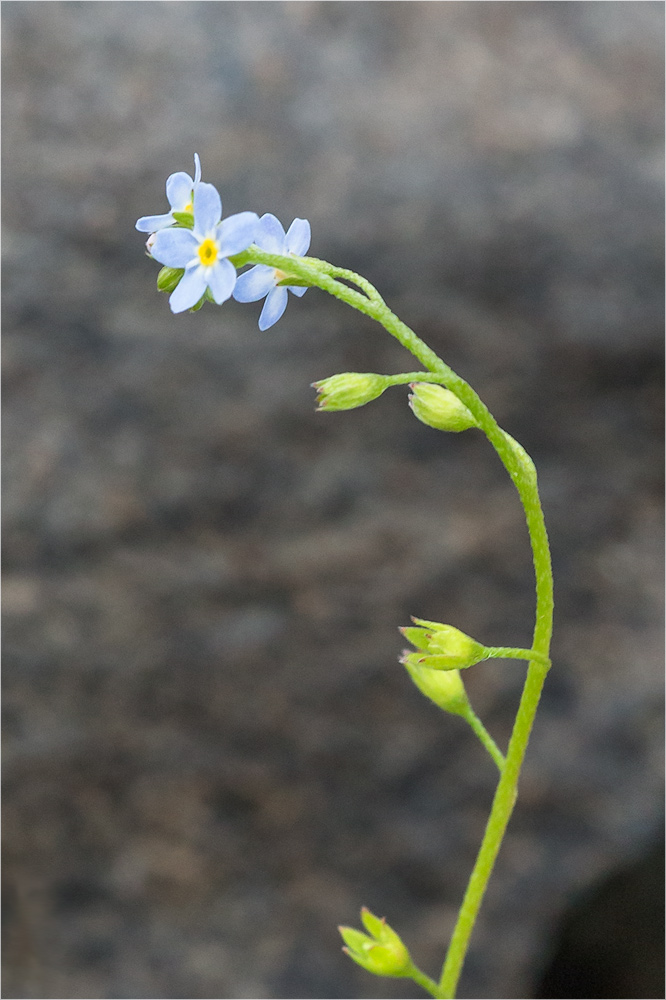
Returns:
<point x="441" y="647"/>
<point x="349" y="390"/>
<point x="381" y="951"/>
<point x="439" y="407"/>
<point x="168" y="278"/>
<point x="444" y="687"/>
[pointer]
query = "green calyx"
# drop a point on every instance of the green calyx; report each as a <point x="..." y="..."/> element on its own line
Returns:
<point x="168" y="278"/>
<point x="439" y="408"/>
<point x="441" y="647"/>
<point x="185" y="220"/>
<point x="380" y="951"/>
<point x="443" y="687"/>
<point x="349" y="390"/>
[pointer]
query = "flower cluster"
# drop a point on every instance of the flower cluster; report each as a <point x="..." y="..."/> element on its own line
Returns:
<point x="195" y="243"/>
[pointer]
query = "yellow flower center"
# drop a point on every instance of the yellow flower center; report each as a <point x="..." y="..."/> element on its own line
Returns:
<point x="189" y="207"/>
<point x="208" y="252"/>
<point x="279" y="275"/>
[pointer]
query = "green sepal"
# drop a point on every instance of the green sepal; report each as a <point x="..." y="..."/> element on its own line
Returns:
<point x="291" y="279"/>
<point x="355" y="940"/>
<point x="349" y="390"/>
<point x="381" y="952"/>
<point x="373" y="925"/>
<point x="443" y="687"/>
<point x="417" y="636"/>
<point x="439" y="408"/>
<point x="441" y="647"/>
<point x="198" y="305"/>
<point x="185" y="220"/>
<point x="428" y="625"/>
<point x="168" y="278"/>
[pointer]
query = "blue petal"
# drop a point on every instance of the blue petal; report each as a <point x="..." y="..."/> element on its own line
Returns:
<point x="221" y="280"/>
<point x="270" y="234"/>
<point x="297" y="289"/>
<point x="274" y="306"/>
<point x="254" y="284"/>
<point x="179" y="190"/>
<point x="174" y="247"/>
<point x="151" y="223"/>
<point x="237" y="232"/>
<point x="207" y="209"/>
<point x="197" y="169"/>
<point x="298" y="237"/>
<point x="189" y="289"/>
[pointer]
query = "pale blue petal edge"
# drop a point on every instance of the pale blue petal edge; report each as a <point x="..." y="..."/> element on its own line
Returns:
<point x="151" y="223"/>
<point x="179" y="190"/>
<point x="207" y="209"/>
<point x="274" y="306"/>
<point x="270" y="234"/>
<point x="298" y="237"/>
<point x="174" y="247"/>
<point x="237" y="232"/>
<point x="189" y="290"/>
<point x="254" y="284"/>
<point x="221" y="280"/>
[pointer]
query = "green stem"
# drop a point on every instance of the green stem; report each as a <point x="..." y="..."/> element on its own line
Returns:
<point x="428" y="984"/>
<point x="509" y="653"/>
<point x="522" y="472"/>
<point x="485" y="738"/>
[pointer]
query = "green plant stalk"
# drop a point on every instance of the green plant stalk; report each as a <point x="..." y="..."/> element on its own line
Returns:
<point x="485" y="738"/>
<point x="522" y="472"/>
<point x="428" y="984"/>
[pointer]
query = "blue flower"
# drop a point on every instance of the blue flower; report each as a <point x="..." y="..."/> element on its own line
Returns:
<point x="261" y="280"/>
<point x="180" y="190"/>
<point x="203" y="250"/>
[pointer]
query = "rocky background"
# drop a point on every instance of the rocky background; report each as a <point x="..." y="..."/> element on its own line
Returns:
<point x="212" y="755"/>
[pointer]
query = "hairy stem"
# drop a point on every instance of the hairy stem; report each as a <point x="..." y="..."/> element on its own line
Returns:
<point x="522" y="473"/>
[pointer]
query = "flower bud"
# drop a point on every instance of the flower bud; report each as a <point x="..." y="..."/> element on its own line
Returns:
<point x="381" y="951"/>
<point x="169" y="277"/>
<point x="441" y="647"/>
<point x="444" y="687"/>
<point x="349" y="390"/>
<point x="439" y="407"/>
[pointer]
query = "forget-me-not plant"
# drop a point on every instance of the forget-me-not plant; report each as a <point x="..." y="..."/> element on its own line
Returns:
<point x="201" y="254"/>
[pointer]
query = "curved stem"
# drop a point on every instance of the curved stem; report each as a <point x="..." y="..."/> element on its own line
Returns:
<point x="428" y="984"/>
<point x="523" y="474"/>
<point x="485" y="738"/>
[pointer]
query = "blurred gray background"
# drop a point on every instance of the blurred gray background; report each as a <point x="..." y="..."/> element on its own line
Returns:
<point x="212" y="755"/>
